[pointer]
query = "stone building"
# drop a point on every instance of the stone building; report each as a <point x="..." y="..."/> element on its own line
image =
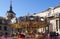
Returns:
<point x="53" y="17"/>
<point x="5" y="22"/>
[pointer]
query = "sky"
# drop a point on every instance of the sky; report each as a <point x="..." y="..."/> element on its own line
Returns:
<point x="22" y="7"/>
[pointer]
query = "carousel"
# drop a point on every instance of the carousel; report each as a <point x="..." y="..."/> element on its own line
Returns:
<point x="33" y="27"/>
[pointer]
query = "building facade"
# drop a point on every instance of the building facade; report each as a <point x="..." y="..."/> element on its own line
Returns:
<point x="5" y="27"/>
<point x="5" y="22"/>
<point x="53" y="16"/>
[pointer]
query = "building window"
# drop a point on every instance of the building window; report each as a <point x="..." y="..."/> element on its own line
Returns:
<point x="0" y="28"/>
<point x="0" y="21"/>
<point x="57" y="25"/>
<point x="5" y="27"/>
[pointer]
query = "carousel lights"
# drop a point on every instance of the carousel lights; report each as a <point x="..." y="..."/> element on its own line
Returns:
<point x="42" y="19"/>
<point x="31" y="18"/>
<point x="39" y="30"/>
